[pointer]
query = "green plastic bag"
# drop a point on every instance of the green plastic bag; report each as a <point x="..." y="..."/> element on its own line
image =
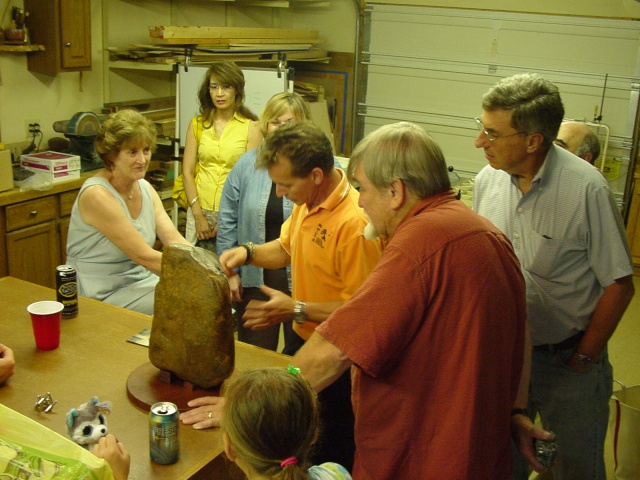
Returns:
<point x="31" y="450"/>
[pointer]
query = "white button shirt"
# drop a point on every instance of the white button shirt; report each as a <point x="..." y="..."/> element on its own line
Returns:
<point x="568" y="235"/>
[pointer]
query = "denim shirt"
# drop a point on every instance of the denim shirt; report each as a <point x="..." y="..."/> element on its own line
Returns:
<point x="243" y="210"/>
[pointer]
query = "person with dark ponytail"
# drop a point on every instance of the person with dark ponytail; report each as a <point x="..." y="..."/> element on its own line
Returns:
<point x="270" y="423"/>
<point x="225" y="129"/>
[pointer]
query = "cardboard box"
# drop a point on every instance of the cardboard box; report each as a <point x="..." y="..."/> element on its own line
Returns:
<point x="51" y="162"/>
<point x="320" y="116"/>
<point x="6" y="171"/>
<point x="611" y="168"/>
<point x="52" y="166"/>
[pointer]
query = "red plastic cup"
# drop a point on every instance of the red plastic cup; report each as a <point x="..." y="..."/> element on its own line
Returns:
<point x="45" y="318"/>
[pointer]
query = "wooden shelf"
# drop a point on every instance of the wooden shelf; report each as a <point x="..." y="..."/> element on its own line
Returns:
<point x="21" y="48"/>
<point x="131" y="65"/>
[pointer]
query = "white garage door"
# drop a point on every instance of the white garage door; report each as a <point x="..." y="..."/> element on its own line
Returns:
<point x="432" y="66"/>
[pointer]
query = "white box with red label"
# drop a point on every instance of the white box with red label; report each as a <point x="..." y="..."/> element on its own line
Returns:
<point x="54" y="166"/>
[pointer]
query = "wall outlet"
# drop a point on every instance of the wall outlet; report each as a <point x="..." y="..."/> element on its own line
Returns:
<point x="31" y="127"/>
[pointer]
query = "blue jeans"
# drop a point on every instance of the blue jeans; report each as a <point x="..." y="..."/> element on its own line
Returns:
<point x="574" y="405"/>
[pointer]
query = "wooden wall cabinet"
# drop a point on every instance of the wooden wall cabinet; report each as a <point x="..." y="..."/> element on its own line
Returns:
<point x="633" y="225"/>
<point x="34" y="234"/>
<point x="64" y="28"/>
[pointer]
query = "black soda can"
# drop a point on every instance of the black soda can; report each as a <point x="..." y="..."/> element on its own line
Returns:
<point x="164" y="447"/>
<point x="67" y="290"/>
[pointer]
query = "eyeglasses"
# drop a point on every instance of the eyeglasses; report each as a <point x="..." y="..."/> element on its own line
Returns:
<point x="224" y="88"/>
<point x="277" y="123"/>
<point x="493" y="138"/>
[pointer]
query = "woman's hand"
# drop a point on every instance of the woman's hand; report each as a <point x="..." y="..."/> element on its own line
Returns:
<point x="207" y="413"/>
<point x="203" y="229"/>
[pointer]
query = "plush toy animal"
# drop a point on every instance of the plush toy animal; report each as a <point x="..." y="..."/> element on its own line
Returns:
<point x="88" y="422"/>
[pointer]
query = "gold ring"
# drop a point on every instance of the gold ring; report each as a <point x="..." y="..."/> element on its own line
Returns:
<point x="210" y="415"/>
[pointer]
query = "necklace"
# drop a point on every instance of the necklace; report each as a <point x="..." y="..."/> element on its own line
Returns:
<point x="130" y="197"/>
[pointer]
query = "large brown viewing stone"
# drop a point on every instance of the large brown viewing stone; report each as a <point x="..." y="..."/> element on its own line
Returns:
<point x="192" y="329"/>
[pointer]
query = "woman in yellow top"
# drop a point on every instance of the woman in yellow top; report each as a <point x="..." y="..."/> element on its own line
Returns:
<point x="228" y="130"/>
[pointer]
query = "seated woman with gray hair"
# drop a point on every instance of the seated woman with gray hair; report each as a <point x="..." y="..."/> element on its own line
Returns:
<point x="117" y="218"/>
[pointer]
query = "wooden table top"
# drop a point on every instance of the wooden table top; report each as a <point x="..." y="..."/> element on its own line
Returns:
<point x="94" y="359"/>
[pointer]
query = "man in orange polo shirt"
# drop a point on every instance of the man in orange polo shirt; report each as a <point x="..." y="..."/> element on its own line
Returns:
<point x="323" y="241"/>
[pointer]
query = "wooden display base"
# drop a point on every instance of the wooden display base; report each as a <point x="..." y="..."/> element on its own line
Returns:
<point x="147" y="385"/>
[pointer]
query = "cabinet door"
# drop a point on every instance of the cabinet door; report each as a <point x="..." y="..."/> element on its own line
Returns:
<point x="34" y="253"/>
<point x="75" y="34"/>
<point x="64" y="28"/>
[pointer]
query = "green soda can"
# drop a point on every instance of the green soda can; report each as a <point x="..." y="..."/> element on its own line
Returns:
<point x="164" y="446"/>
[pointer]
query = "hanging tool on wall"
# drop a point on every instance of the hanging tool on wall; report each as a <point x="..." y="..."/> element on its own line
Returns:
<point x="598" y="118"/>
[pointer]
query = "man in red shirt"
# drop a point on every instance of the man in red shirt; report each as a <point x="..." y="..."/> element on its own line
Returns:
<point x="436" y="333"/>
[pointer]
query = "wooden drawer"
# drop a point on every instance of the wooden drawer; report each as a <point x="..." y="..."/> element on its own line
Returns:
<point x="66" y="202"/>
<point x="32" y="212"/>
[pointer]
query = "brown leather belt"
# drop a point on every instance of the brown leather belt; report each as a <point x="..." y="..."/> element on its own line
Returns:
<point x="570" y="342"/>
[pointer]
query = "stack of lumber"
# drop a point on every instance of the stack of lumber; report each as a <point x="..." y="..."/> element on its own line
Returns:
<point x="309" y="91"/>
<point x="161" y="111"/>
<point x="171" y="44"/>
<point x="170" y="35"/>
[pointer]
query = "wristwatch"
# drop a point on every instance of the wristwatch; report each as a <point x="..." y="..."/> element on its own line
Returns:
<point x="583" y="360"/>
<point x="299" y="312"/>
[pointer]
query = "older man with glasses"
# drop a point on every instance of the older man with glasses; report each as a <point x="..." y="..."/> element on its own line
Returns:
<point x="568" y="234"/>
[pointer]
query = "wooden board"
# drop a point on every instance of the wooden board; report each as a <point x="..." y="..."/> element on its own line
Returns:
<point x="145" y="387"/>
<point x="314" y="53"/>
<point x="161" y="115"/>
<point x="145" y="104"/>
<point x="166" y="127"/>
<point x="202" y="59"/>
<point x="203" y="42"/>
<point x="9" y="47"/>
<point x="270" y="46"/>
<point x="167" y="32"/>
